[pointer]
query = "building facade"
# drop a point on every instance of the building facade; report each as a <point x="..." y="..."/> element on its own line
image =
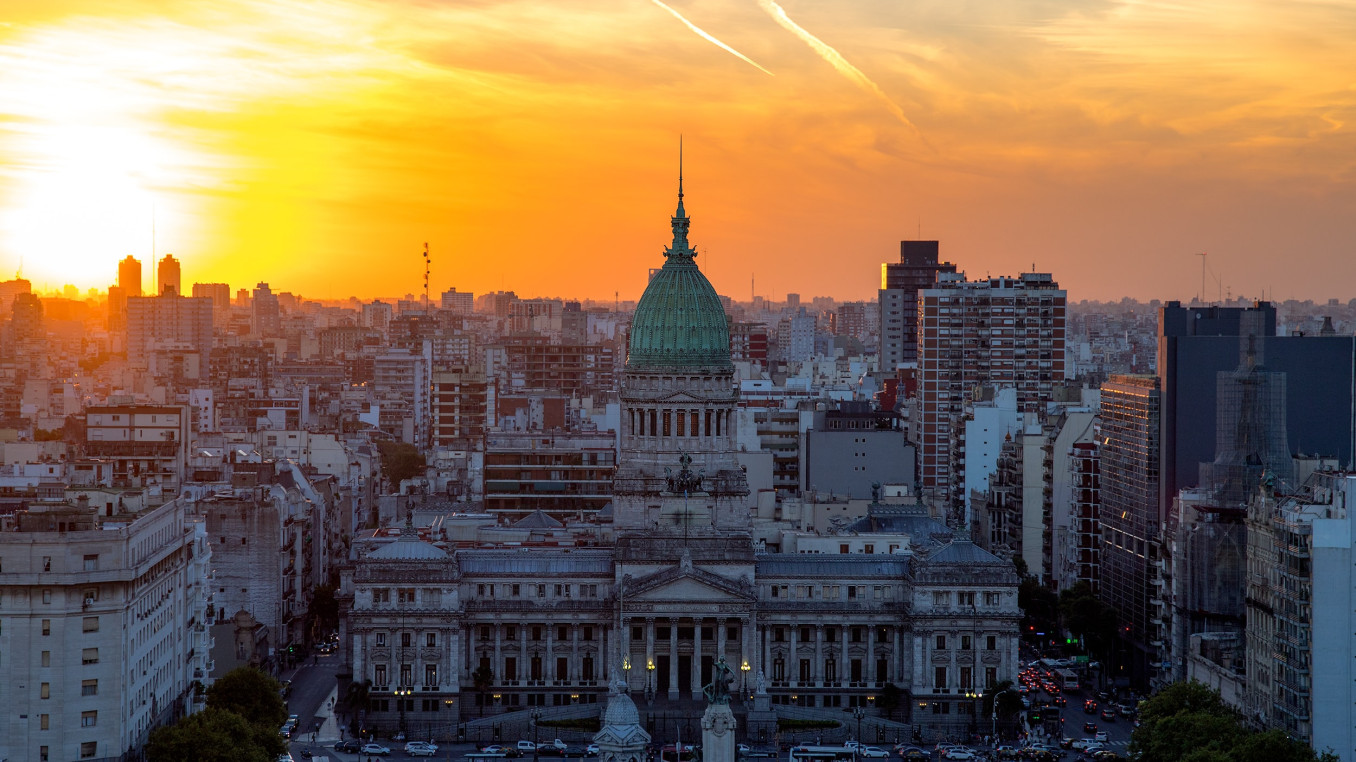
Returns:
<point x="444" y="631"/>
<point x="900" y="284"/>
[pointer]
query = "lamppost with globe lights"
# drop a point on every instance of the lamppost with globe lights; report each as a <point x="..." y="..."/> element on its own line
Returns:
<point x="401" y="693"/>
<point x="858" y="713"/>
<point x="649" y="679"/>
<point x="744" y="679"/>
<point x="536" y="715"/>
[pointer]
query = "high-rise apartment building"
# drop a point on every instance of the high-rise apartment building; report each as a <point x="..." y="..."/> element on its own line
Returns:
<point x="463" y="403"/>
<point x="265" y="312"/>
<point x="219" y="293"/>
<point x="129" y="276"/>
<point x="1300" y="674"/>
<point x="1001" y="331"/>
<point x="1131" y="521"/>
<point x="168" y="321"/>
<point x="459" y="302"/>
<point x="167" y="276"/>
<point x="103" y="627"/>
<point x="900" y="283"/>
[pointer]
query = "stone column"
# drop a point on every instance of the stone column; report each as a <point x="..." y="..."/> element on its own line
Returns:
<point x="697" y="658"/>
<point x="898" y="671"/>
<point x="870" y="665"/>
<point x="453" y="652"/>
<point x="818" y="673"/>
<point x="524" y="665"/>
<point x="649" y="653"/>
<point x="720" y="640"/>
<point x="576" y="658"/>
<point x="766" y="664"/>
<point x="548" y="667"/>
<point x="844" y="663"/>
<point x="498" y="665"/>
<point x="673" y="659"/>
<point x="793" y="657"/>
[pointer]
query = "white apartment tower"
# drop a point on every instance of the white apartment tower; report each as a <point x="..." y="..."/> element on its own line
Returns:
<point x="101" y="635"/>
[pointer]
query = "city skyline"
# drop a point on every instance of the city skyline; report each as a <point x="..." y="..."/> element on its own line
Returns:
<point x="535" y="147"/>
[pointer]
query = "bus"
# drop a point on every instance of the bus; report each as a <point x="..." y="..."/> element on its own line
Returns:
<point x="670" y="753"/>
<point x="1066" y="679"/>
<point x="821" y="754"/>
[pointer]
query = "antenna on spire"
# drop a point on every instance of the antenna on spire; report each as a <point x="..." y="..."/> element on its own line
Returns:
<point x="680" y="167"/>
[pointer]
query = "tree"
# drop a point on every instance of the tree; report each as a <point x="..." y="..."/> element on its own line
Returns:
<point x="213" y="735"/>
<point x="399" y="461"/>
<point x="1040" y="607"/>
<point x="1085" y="615"/>
<point x="355" y="698"/>
<point x="1189" y="722"/>
<point x="251" y="694"/>
<point x="890" y="699"/>
<point x="482" y="678"/>
<point x="323" y="612"/>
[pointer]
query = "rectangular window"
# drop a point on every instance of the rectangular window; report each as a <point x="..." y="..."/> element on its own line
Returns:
<point x="941" y="642"/>
<point x="991" y="642"/>
<point x="966" y="679"/>
<point x="89" y="719"/>
<point x="939" y="680"/>
<point x="430" y="674"/>
<point x="406" y="675"/>
<point x="587" y="634"/>
<point x="46" y="563"/>
<point x="510" y="633"/>
<point x="379" y="675"/>
<point x="517" y="590"/>
<point x="44" y="722"/>
<point x="431" y="640"/>
<point x="89" y="687"/>
<point x="562" y="633"/>
<point x="92" y="562"/>
<point x="406" y="639"/>
<point x="46" y="596"/>
<point x="46" y="627"/>
<point x="381" y="640"/>
<point x="88" y="749"/>
<point x="965" y="642"/>
<point x="89" y="656"/>
<point x="90" y="624"/>
<point x="965" y="598"/>
<point x="45" y="691"/>
<point x="42" y="754"/>
<point x="46" y="658"/>
<point x="990" y="678"/>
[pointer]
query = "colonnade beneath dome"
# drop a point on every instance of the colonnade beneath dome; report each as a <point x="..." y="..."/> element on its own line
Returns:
<point x="681" y="423"/>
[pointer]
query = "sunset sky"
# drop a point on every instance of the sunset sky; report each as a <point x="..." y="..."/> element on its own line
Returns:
<point x="318" y="144"/>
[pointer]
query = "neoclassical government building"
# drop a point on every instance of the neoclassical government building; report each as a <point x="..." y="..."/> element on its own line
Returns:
<point x="444" y="633"/>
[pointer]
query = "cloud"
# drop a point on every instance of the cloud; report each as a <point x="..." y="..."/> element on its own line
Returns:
<point x="711" y="39"/>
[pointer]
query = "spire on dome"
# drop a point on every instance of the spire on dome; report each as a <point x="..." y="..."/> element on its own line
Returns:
<point x="680" y="250"/>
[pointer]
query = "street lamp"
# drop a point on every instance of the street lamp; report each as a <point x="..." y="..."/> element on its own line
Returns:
<point x="401" y="693"/>
<point x="536" y="715"/>
<point x="859" y="713"/>
<point x="649" y="678"/>
<point x="744" y="677"/>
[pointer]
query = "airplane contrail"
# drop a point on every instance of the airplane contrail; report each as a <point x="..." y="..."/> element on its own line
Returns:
<point x="837" y="61"/>
<point x="711" y="39"/>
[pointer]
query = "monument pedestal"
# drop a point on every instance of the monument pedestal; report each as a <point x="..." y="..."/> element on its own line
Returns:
<point x="718" y="728"/>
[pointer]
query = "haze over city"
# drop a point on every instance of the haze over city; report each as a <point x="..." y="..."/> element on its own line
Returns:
<point x="534" y="144"/>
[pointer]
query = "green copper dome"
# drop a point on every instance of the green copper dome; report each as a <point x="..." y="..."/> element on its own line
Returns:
<point x="679" y="321"/>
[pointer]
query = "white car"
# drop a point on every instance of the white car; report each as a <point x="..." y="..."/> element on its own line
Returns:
<point x="375" y="749"/>
<point x="421" y="749"/>
<point x="591" y="750"/>
<point x="1101" y="736"/>
<point x="871" y="752"/>
<point x="960" y="752"/>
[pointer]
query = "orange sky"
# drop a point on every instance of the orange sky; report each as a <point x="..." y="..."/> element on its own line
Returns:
<point x="316" y="144"/>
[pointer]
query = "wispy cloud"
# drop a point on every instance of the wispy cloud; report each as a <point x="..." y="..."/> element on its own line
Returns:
<point x="837" y="61"/>
<point x="711" y="39"/>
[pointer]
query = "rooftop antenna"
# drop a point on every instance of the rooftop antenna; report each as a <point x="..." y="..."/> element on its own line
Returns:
<point x="426" y="266"/>
<point x="1202" y="255"/>
<point x="155" y="281"/>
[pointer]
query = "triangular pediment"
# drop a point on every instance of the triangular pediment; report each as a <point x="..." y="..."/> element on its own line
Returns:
<point x="680" y="397"/>
<point x="689" y="584"/>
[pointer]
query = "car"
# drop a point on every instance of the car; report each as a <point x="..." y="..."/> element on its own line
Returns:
<point x="911" y="752"/>
<point x="1061" y="701"/>
<point x="526" y="747"/>
<point x="1090" y="707"/>
<point x="960" y="753"/>
<point x="1109" y="714"/>
<point x="1100" y="737"/>
<point x="375" y="749"/>
<point x="550" y="750"/>
<point x="1089" y="727"/>
<point x="1066" y="743"/>
<point x="1007" y="752"/>
<point x="591" y="750"/>
<point x="350" y="746"/>
<point x="420" y="749"/>
<point x="872" y="752"/>
<point x="494" y="749"/>
<point x="285" y="757"/>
